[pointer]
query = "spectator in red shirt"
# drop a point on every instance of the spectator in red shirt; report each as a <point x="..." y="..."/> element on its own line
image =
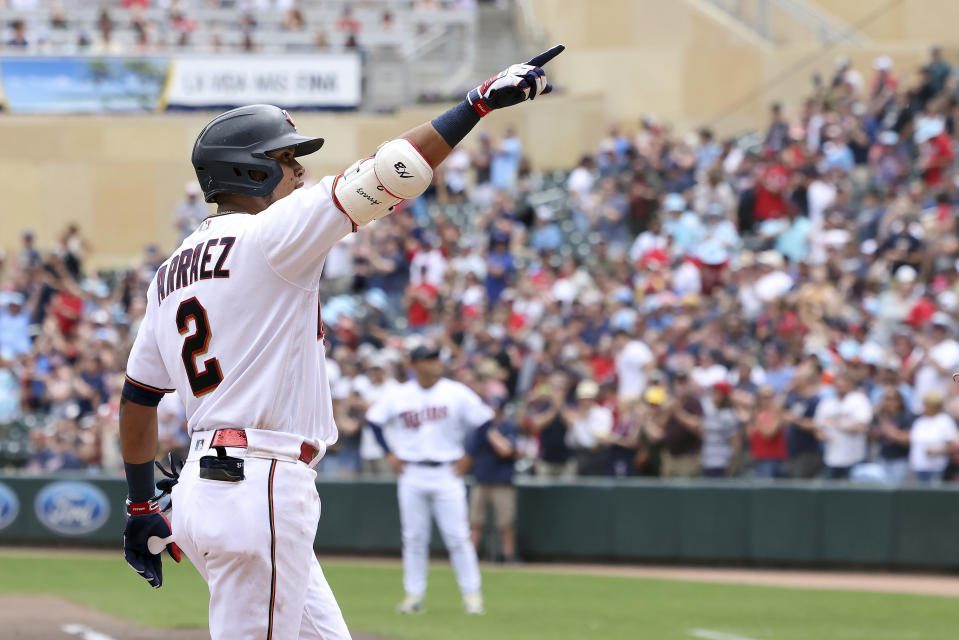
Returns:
<point x="766" y="436"/>
<point x="602" y="363"/>
<point x="421" y="304"/>
<point x="771" y="190"/>
<point x="921" y="312"/>
<point x="936" y="152"/>
<point x="67" y="309"/>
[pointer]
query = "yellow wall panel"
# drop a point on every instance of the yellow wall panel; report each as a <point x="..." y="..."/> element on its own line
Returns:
<point x="127" y="140"/>
<point x="121" y="178"/>
<point x="920" y="21"/>
<point x="23" y="184"/>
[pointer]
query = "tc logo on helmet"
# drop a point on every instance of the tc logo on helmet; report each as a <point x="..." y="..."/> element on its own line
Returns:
<point x="288" y="118"/>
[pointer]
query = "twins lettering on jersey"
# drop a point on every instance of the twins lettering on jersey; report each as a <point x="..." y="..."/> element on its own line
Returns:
<point x="190" y="265"/>
<point x="415" y="419"/>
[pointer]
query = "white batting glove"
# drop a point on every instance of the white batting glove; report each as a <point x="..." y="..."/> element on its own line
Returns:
<point x="515" y="84"/>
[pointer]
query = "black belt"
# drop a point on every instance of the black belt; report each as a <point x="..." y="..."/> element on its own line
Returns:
<point x="426" y="463"/>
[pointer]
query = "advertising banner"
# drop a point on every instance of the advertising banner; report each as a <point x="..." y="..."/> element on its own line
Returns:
<point x="40" y="510"/>
<point x="9" y="506"/>
<point x="314" y="81"/>
<point x="72" y="508"/>
<point x="81" y="84"/>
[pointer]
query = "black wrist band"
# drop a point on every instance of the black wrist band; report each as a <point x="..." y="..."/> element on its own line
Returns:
<point x="141" y="485"/>
<point x="456" y="123"/>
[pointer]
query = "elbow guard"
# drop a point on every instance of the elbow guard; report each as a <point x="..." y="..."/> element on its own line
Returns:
<point x="371" y="187"/>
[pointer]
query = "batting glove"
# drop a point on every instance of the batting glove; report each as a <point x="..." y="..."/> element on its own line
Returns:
<point x="514" y="84"/>
<point x="146" y="525"/>
<point x="172" y="475"/>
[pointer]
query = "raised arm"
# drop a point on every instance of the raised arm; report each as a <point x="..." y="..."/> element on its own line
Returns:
<point x="403" y="168"/>
<point x="429" y="141"/>
<point x="518" y="83"/>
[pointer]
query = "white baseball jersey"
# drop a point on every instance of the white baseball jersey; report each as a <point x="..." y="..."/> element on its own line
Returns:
<point x="232" y="319"/>
<point x="429" y="424"/>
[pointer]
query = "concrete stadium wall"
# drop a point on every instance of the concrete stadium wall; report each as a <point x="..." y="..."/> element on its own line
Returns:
<point x="802" y="524"/>
<point x="926" y="21"/>
<point x="689" y="64"/>
<point x="640" y="23"/>
<point x="121" y="177"/>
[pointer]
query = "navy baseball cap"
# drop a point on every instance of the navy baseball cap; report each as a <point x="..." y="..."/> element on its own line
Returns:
<point x="424" y="352"/>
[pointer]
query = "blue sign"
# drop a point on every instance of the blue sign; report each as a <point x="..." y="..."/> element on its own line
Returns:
<point x="72" y="508"/>
<point x="82" y="84"/>
<point x="9" y="506"/>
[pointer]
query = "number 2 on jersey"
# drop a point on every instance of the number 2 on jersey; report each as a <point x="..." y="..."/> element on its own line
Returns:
<point x="202" y="382"/>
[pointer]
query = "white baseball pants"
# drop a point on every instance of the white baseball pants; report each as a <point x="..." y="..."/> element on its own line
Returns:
<point x="438" y="492"/>
<point x="252" y="541"/>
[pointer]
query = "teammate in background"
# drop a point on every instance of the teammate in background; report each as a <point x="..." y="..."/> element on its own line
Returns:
<point x="232" y="325"/>
<point x="429" y="420"/>
<point x="494" y="453"/>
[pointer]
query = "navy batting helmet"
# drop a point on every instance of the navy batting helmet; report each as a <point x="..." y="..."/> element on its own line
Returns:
<point x="234" y="145"/>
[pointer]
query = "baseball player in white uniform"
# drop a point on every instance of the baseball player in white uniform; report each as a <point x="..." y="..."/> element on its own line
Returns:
<point x="429" y="419"/>
<point x="232" y="324"/>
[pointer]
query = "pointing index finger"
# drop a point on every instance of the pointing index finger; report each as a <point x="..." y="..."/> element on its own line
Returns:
<point x="546" y="56"/>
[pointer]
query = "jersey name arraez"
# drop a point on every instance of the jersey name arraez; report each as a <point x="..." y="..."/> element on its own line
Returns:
<point x="193" y="264"/>
<point x="231" y="319"/>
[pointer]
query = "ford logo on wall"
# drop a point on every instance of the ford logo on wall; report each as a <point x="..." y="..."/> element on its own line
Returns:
<point x="9" y="506"/>
<point x="72" y="508"/>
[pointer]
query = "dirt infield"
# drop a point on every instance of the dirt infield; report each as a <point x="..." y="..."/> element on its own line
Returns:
<point x="48" y="618"/>
<point x="917" y="584"/>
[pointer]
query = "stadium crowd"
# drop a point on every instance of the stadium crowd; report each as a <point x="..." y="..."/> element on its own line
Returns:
<point x="136" y="27"/>
<point x="776" y="305"/>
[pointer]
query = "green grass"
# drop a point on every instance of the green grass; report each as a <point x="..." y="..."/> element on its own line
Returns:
<point x="520" y="605"/>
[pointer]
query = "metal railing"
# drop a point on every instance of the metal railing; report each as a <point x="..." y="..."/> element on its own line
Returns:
<point x="782" y="21"/>
<point x="529" y="25"/>
<point x="444" y="59"/>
